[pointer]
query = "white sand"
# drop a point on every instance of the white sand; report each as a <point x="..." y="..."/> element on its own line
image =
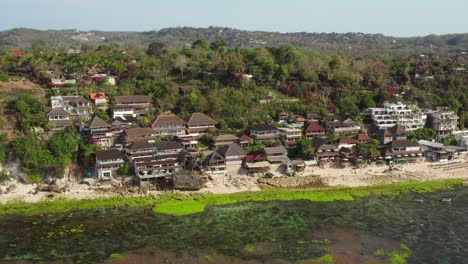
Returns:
<point x="238" y="181"/>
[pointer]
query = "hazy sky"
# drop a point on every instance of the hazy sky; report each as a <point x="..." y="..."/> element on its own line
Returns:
<point x="390" y="17"/>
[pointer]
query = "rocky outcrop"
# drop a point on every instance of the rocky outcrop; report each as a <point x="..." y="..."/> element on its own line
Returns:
<point x="292" y="182"/>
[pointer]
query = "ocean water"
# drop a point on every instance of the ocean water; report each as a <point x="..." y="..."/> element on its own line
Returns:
<point x="368" y="230"/>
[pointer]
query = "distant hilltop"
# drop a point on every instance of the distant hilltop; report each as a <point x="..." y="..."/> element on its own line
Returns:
<point x="358" y="43"/>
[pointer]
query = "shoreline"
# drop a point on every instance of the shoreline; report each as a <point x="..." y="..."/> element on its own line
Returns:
<point x="179" y="204"/>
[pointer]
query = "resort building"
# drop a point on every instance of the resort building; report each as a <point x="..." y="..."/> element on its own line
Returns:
<point x="199" y="123"/>
<point x="397" y="114"/>
<point x="444" y="122"/>
<point x="264" y="132"/>
<point x="341" y="124"/>
<point x="290" y="136"/>
<point x="169" y="124"/>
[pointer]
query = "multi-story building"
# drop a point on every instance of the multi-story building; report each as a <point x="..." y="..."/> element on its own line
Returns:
<point x="264" y="132"/>
<point x="399" y="113"/>
<point x="314" y="129"/>
<point x="225" y="139"/>
<point x="107" y="163"/>
<point x="341" y="124"/>
<point x="444" y="122"/>
<point x="199" y="123"/>
<point x="99" y="132"/>
<point x="131" y="135"/>
<point x="402" y="150"/>
<point x="290" y="136"/>
<point x="324" y="150"/>
<point x="139" y="103"/>
<point x="169" y="124"/>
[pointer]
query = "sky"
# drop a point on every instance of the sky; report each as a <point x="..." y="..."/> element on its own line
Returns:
<point x="398" y="18"/>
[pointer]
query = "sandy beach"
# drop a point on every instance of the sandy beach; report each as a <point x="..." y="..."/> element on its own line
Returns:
<point x="14" y="191"/>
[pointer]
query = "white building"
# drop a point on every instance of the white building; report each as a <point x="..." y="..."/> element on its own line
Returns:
<point x="444" y="122"/>
<point x="399" y="113"/>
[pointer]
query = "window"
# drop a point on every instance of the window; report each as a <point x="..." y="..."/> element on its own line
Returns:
<point x="106" y="174"/>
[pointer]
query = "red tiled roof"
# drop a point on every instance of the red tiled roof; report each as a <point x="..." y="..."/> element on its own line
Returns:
<point x="362" y="137"/>
<point x="347" y="140"/>
<point x="314" y="126"/>
<point x="250" y="158"/>
<point x="94" y="96"/>
<point x="244" y="137"/>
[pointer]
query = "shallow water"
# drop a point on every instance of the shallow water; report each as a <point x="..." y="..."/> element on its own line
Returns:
<point x="268" y="232"/>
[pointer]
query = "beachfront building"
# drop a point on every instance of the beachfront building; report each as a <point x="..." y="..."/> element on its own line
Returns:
<point x="396" y="132"/>
<point x="168" y="158"/>
<point x="256" y="163"/>
<point x="444" y="122"/>
<point x="324" y="150"/>
<point x="403" y="151"/>
<point x="290" y="136"/>
<point x="107" y="163"/>
<point x="276" y="154"/>
<point x="392" y="114"/>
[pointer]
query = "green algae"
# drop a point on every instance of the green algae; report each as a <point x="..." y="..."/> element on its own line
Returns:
<point x="326" y="194"/>
<point x="325" y="259"/>
<point x="180" y="204"/>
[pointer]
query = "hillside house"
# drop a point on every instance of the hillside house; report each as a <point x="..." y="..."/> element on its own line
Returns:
<point x="169" y="124"/>
<point x="99" y="132"/>
<point x="139" y="103"/>
<point x="131" y="135"/>
<point x="223" y="140"/>
<point x="58" y="118"/>
<point x="314" y="129"/>
<point x="342" y="124"/>
<point x="99" y="99"/>
<point x="199" y="123"/>
<point x="264" y="132"/>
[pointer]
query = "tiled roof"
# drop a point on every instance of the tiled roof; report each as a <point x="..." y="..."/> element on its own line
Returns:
<point x="275" y="150"/>
<point x="225" y="137"/>
<point x="362" y="137"/>
<point x="97" y="122"/>
<point x="231" y="150"/>
<point x="347" y="140"/>
<point x="403" y="143"/>
<point x="94" y="96"/>
<point x="168" y="145"/>
<point x="111" y="154"/>
<point x="139" y="132"/>
<point x="314" y="126"/>
<point x="141" y="145"/>
<point x="244" y="137"/>
<point x="57" y="112"/>
<point x="167" y="119"/>
<point x="397" y="129"/>
<point x="198" y="119"/>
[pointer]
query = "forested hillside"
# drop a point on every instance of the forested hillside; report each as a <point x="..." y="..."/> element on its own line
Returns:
<point x="354" y="43"/>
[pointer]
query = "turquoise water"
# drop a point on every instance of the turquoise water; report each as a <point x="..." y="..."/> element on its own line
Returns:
<point x="435" y="232"/>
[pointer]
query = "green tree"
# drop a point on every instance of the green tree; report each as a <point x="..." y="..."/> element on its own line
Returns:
<point x="422" y="133"/>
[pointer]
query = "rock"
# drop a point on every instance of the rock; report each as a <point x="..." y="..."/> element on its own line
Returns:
<point x="50" y="195"/>
<point x="44" y="188"/>
<point x="88" y="181"/>
<point x="12" y="187"/>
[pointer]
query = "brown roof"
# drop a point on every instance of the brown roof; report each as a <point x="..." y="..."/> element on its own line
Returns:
<point x="111" y="154"/>
<point x="168" y="119"/>
<point x="314" y="126"/>
<point x="403" y="143"/>
<point x="300" y="119"/>
<point x="57" y="112"/>
<point x="361" y="137"/>
<point x="225" y="137"/>
<point x="168" y="145"/>
<point x="347" y="140"/>
<point x="139" y="132"/>
<point x="125" y="99"/>
<point x="97" y="122"/>
<point x="244" y="137"/>
<point x="397" y="129"/>
<point x="201" y="119"/>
